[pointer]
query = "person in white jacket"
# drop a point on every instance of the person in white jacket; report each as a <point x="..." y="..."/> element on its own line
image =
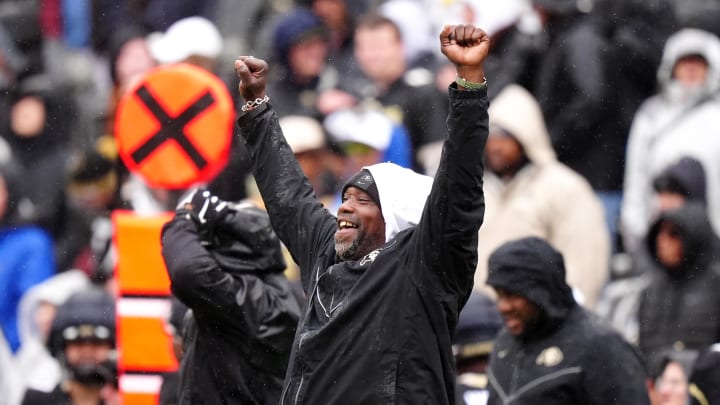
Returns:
<point x="682" y="119"/>
<point x="38" y="368"/>
<point x="529" y="192"/>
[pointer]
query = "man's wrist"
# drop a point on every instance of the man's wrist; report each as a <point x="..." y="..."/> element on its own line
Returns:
<point x="470" y="85"/>
<point x="254" y="103"/>
<point x="475" y="74"/>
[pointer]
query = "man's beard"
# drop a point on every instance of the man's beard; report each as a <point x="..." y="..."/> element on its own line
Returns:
<point x="350" y="250"/>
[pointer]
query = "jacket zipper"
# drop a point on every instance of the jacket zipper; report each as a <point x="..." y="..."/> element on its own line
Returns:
<point x="302" y="378"/>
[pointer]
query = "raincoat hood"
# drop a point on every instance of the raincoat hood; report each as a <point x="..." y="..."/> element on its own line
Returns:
<point x="515" y="110"/>
<point x="700" y="243"/>
<point x="55" y="291"/>
<point x="690" y="41"/>
<point x="293" y="28"/>
<point x="687" y="176"/>
<point x="402" y="195"/>
<point x="246" y="243"/>
<point x="530" y="267"/>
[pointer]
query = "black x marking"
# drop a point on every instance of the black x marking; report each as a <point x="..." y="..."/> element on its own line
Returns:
<point x="172" y="127"/>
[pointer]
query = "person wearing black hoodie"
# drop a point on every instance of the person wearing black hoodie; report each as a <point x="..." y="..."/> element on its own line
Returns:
<point x="225" y="264"/>
<point x="679" y="307"/>
<point x="551" y="350"/>
<point x="387" y="277"/>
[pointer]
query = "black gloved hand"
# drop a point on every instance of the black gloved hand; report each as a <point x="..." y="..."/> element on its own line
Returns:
<point x="203" y="207"/>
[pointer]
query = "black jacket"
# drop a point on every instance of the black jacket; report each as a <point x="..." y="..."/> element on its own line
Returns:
<point x="680" y="306"/>
<point x="569" y="357"/>
<point x="244" y="313"/>
<point x="384" y="337"/>
<point x="55" y="397"/>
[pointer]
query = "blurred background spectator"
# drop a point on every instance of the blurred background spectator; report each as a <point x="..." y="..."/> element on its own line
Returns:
<point x="477" y="327"/>
<point x="82" y="339"/>
<point x="528" y="192"/>
<point x="680" y="120"/>
<point x="26" y="251"/>
<point x="38" y="307"/>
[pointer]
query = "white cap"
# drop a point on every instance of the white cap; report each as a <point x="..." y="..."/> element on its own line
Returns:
<point x="368" y="127"/>
<point x="184" y="38"/>
<point x="302" y="133"/>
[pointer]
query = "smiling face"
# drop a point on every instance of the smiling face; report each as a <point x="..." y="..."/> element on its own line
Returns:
<point x="361" y="227"/>
<point x="520" y="314"/>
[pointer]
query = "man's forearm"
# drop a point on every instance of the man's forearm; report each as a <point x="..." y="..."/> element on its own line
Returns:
<point x="288" y="195"/>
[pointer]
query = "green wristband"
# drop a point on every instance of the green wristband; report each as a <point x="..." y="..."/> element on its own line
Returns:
<point x="470" y="85"/>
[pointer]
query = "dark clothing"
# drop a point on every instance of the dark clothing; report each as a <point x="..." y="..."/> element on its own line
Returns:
<point x="292" y="98"/>
<point x="55" y="397"/>
<point x="685" y="177"/>
<point x="568" y="357"/>
<point x="237" y="342"/>
<point x="579" y="108"/>
<point x="385" y="337"/>
<point x="593" y="77"/>
<point x="513" y="58"/>
<point x="705" y="376"/>
<point x="169" y="389"/>
<point x="680" y="306"/>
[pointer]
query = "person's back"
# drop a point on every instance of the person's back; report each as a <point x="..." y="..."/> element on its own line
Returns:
<point x="226" y="267"/>
<point x="552" y="351"/>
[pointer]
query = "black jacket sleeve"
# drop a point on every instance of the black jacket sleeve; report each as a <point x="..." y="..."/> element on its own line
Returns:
<point x="297" y="216"/>
<point x="448" y="231"/>
<point x="244" y="303"/>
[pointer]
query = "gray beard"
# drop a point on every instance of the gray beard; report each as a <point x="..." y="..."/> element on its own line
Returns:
<point x="346" y="251"/>
<point x="349" y="250"/>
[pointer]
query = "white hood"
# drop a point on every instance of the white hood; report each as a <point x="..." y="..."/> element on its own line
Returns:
<point x="516" y="111"/>
<point x="54" y="290"/>
<point x="402" y="195"/>
<point x="691" y="41"/>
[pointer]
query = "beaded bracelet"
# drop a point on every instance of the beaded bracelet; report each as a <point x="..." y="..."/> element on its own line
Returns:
<point x="254" y="103"/>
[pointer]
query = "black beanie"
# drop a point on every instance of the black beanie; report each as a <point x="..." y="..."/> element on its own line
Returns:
<point x="364" y="181"/>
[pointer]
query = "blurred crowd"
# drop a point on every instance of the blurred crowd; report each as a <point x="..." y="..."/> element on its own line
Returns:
<point x="604" y="141"/>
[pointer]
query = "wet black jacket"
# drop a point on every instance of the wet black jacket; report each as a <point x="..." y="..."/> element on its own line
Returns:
<point x="244" y="313"/>
<point x="55" y="397"/>
<point x="569" y="358"/>
<point x="680" y="306"/>
<point x="385" y="338"/>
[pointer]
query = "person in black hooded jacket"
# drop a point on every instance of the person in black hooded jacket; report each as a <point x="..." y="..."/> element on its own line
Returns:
<point x="551" y="350"/>
<point x="679" y="309"/>
<point x="225" y="264"/>
<point x="386" y="279"/>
